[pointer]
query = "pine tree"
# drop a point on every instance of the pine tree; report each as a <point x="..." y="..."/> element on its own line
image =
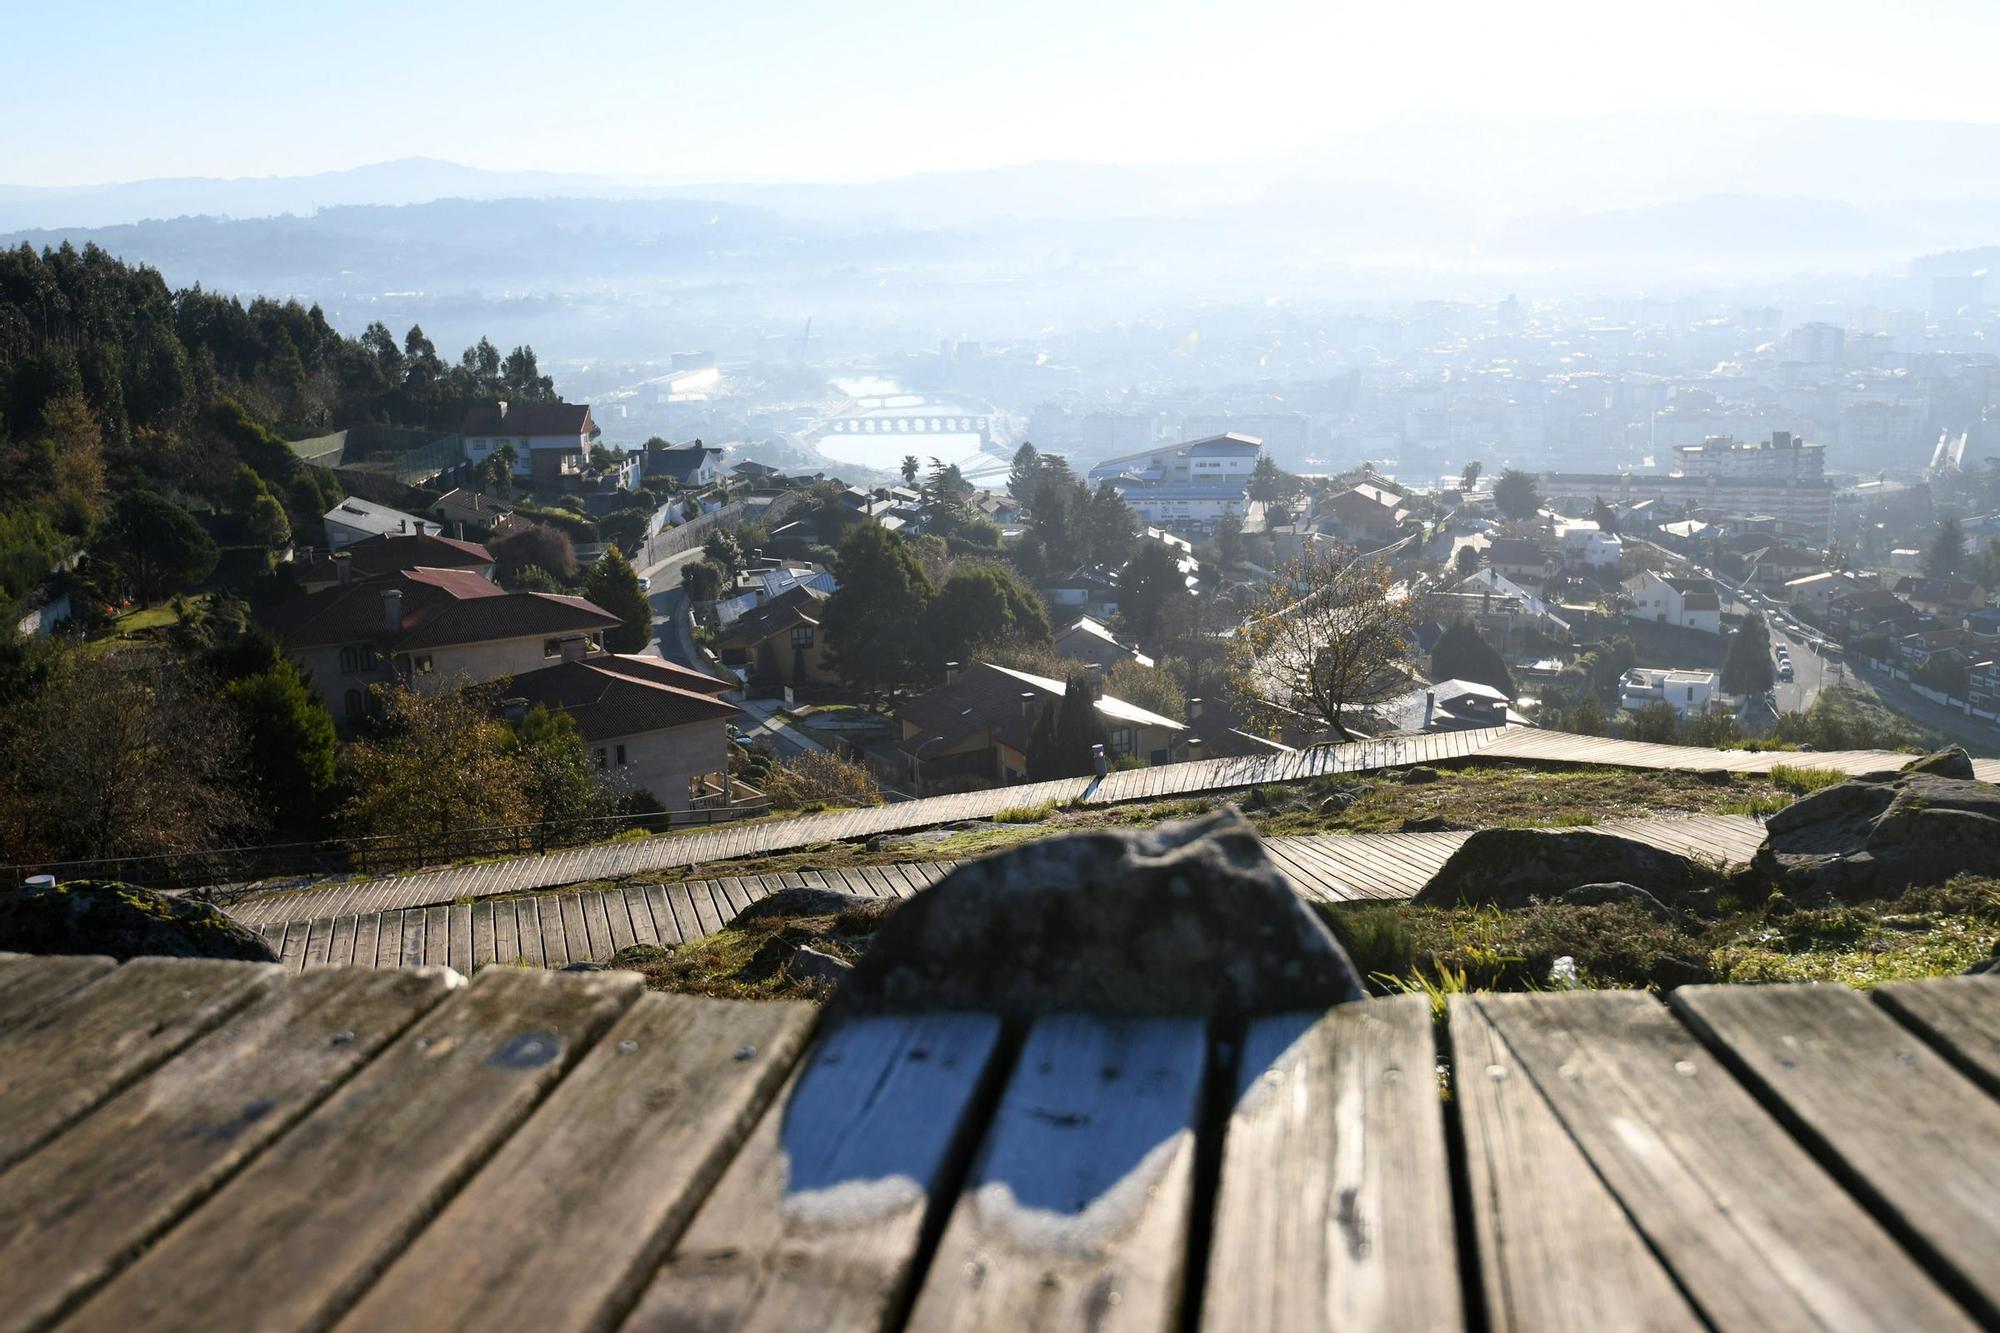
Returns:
<point x="1077" y="730"/>
<point x="1462" y="653"/>
<point x="1025" y="475"/>
<point x="1041" y="755"/>
<point x="1747" y="669"/>
<point x="613" y="585"/>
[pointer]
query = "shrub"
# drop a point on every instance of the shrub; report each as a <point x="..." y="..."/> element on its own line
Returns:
<point x="1803" y="780"/>
<point x="818" y="778"/>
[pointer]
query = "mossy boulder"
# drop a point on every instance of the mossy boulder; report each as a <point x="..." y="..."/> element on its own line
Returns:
<point x="1877" y="837"/>
<point x="123" y="921"/>
<point x="1516" y="867"/>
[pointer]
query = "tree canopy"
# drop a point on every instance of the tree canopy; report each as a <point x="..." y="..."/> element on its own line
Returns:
<point x="1747" y="669"/>
<point x="981" y="602"/>
<point x="1462" y="653"/>
<point x="1517" y="495"/>
<point x="1327" y="636"/>
<point x="614" y="585"/>
<point x="873" y="621"/>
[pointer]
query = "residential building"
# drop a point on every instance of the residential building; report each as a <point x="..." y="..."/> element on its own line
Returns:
<point x="1802" y="508"/>
<point x="1215" y="460"/>
<point x="1087" y="640"/>
<point x="691" y="466"/>
<point x="467" y="513"/>
<point x="1449" y="705"/>
<point x="973" y="730"/>
<point x="1362" y="516"/>
<point x="778" y="643"/>
<point x="551" y="441"/>
<point x="1982" y="687"/>
<point x="1583" y="543"/>
<point x="1871" y="611"/>
<point x="1688" y="603"/>
<point x="1092" y="592"/>
<point x="373" y="557"/>
<point x="1948" y="598"/>
<point x="428" y="629"/>
<point x="1771" y="569"/>
<point x="1686" y="691"/>
<point x="647" y="724"/>
<point x="355" y="519"/>
<point x="1213" y="731"/>
<point x="1520" y="560"/>
<point x="1784" y="457"/>
<point x="1815" y="592"/>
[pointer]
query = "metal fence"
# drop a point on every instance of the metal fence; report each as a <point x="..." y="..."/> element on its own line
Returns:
<point x="367" y="856"/>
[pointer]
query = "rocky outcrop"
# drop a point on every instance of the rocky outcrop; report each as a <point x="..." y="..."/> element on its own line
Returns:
<point x="1184" y="918"/>
<point x="1880" y="835"/>
<point x="787" y="904"/>
<point x="1603" y="895"/>
<point x="123" y="921"/>
<point x="1514" y="867"/>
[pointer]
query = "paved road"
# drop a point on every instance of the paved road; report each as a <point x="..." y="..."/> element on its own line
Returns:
<point x="1810" y="672"/>
<point x="671" y="639"/>
<point x="766" y="724"/>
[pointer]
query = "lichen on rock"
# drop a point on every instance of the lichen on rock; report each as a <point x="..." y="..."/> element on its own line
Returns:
<point x="123" y="921"/>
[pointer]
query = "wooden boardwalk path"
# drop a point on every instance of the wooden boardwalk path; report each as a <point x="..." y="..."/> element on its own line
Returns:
<point x="424" y="888"/>
<point x="554" y="928"/>
<point x="189" y="1144"/>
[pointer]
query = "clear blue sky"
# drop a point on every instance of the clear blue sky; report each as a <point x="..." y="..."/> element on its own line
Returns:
<point x="102" y="90"/>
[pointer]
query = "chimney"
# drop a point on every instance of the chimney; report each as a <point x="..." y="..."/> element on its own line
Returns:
<point x="575" y="648"/>
<point x="459" y="530"/>
<point x="1093" y="673"/>
<point x="403" y="525"/>
<point x="1193" y="709"/>
<point x="502" y="405"/>
<point x="516" y="710"/>
<point x="1430" y="707"/>
<point x="1027" y="703"/>
<point x="951" y="673"/>
<point x="1194" y="749"/>
<point x="343" y="563"/>
<point x="478" y="502"/>
<point x="392" y="609"/>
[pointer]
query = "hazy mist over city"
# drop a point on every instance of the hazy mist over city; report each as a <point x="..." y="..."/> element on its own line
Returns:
<point x="1554" y="239"/>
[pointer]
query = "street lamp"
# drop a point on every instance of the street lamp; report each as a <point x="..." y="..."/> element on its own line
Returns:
<point x="917" y="765"/>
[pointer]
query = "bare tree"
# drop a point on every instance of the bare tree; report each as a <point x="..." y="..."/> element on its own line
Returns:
<point x="1328" y="636"/>
<point x="121" y="754"/>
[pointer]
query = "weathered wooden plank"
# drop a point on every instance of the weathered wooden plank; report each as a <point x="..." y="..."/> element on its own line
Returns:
<point x="555" y="934"/>
<point x="437" y="936"/>
<point x="597" y="922"/>
<point x="461" y="939"/>
<point x="29" y="983"/>
<point x="367" y="929"/>
<point x="576" y="931"/>
<point x="663" y="915"/>
<point x="506" y="934"/>
<point x="415" y="925"/>
<point x="305" y="1227"/>
<point x="70" y="1214"/>
<point x="644" y="929"/>
<point x="1857" y="1086"/>
<point x="1076" y="1211"/>
<point x="528" y="923"/>
<point x="677" y="1082"/>
<point x="1335" y="1209"/>
<point x="340" y="949"/>
<point x="1554" y="1248"/>
<point x="59" y="1062"/>
<point x="817" y="1221"/>
<point x="704" y="907"/>
<point x="1756" y="1234"/>
<point x="274" y="935"/>
<point x="618" y="910"/>
<point x="682" y="902"/>
<point x="482" y="936"/>
<point x="319" y="942"/>
<point x="1958" y="1015"/>
<point x="292" y="954"/>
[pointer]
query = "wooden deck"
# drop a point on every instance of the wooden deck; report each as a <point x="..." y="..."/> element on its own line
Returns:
<point x="203" y="1145"/>
<point x="589" y="925"/>
<point x="581" y="865"/>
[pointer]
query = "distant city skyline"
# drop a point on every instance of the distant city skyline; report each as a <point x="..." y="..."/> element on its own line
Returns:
<point x="787" y="90"/>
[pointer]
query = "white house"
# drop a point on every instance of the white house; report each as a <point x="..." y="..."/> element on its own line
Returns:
<point x="1688" y="603"/>
<point x="1686" y="691"/>
<point x="1584" y="543"/>
<point x="355" y="519"/>
<point x="549" y="439"/>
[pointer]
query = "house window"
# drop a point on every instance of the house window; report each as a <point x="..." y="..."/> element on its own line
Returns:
<point x="350" y="661"/>
<point x="353" y="704"/>
<point x="1121" y="740"/>
<point x="802" y="636"/>
<point x="551" y="647"/>
<point x="599" y="756"/>
<point x="422" y="664"/>
<point x="620" y="756"/>
<point x="368" y="657"/>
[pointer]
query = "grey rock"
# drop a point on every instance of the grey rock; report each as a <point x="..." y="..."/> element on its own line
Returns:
<point x="1952" y="762"/>
<point x="640" y="955"/>
<point x="586" y="967"/>
<point x="1514" y="867"/>
<point x="123" y="921"/>
<point x="803" y="902"/>
<point x="1188" y="918"/>
<point x="1603" y="895"/>
<point x="1876" y="837"/>
<point x="1419" y="775"/>
<point x="811" y="964"/>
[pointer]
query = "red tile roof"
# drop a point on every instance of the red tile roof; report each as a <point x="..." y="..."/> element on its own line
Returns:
<point x="441" y="607"/>
<point x="608" y="700"/>
<point x="373" y="556"/>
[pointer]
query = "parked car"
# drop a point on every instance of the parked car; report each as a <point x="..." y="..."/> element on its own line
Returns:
<point x="1784" y="671"/>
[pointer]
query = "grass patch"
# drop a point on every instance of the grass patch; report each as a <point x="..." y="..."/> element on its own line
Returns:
<point x="1025" y="814"/>
<point x="751" y="958"/>
<point x="1799" y="779"/>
